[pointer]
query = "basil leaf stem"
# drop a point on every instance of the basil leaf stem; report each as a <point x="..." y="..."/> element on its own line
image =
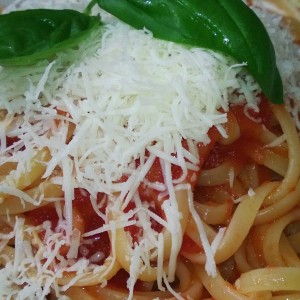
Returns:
<point x="227" y="26"/>
<point x="30" y="35"/>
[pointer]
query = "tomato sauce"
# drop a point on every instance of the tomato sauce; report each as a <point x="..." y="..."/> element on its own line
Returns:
<point x="100" y="242"/>
<point x="136" y="231"/>
<point x="151" y="195"/>
<point x="11" y="140"/>
<point x="155" y="175"/>
<point x="240" y="153"/>
<point x="246" y="150"/>
<point x="188" y="245"/>
<point x="85" y="219"/>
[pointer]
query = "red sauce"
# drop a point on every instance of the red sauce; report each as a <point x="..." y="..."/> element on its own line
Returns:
<point x="249" y="127"/>
<point x="137" y="231"/>
<point x="100" y="242"/>
<point x="246" y="150"/>
<point x="155" y="175"/>
<point x="241" y="153"/>
<point x="205" y="150"/>
<point x="188" y="245"/>
<point x="85" y="219"/>
<point x="151" y="195"/>
<point x="11" y="140"/>
<point x="37" y="216"/>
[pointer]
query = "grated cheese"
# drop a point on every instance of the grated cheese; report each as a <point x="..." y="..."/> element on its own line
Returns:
<point x="210" y="264"/>
<point x="251" y="192"/>
<point x="277" y="142"/>
<point x="231" y="177"/>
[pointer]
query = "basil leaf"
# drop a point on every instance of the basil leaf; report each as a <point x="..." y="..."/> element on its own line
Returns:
<point x="228" y="26"/>
<point x="30" y="35"/>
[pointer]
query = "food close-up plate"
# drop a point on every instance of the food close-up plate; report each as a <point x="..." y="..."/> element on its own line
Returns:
<point x="150" y="149"/>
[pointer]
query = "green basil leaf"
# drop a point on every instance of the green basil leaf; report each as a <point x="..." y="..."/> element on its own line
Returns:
<point x="30" y="35"/>
<point x="228" y="26"/>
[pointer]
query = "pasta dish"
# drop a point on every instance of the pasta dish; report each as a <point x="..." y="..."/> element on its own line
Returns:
<point x="138" y="168"/>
